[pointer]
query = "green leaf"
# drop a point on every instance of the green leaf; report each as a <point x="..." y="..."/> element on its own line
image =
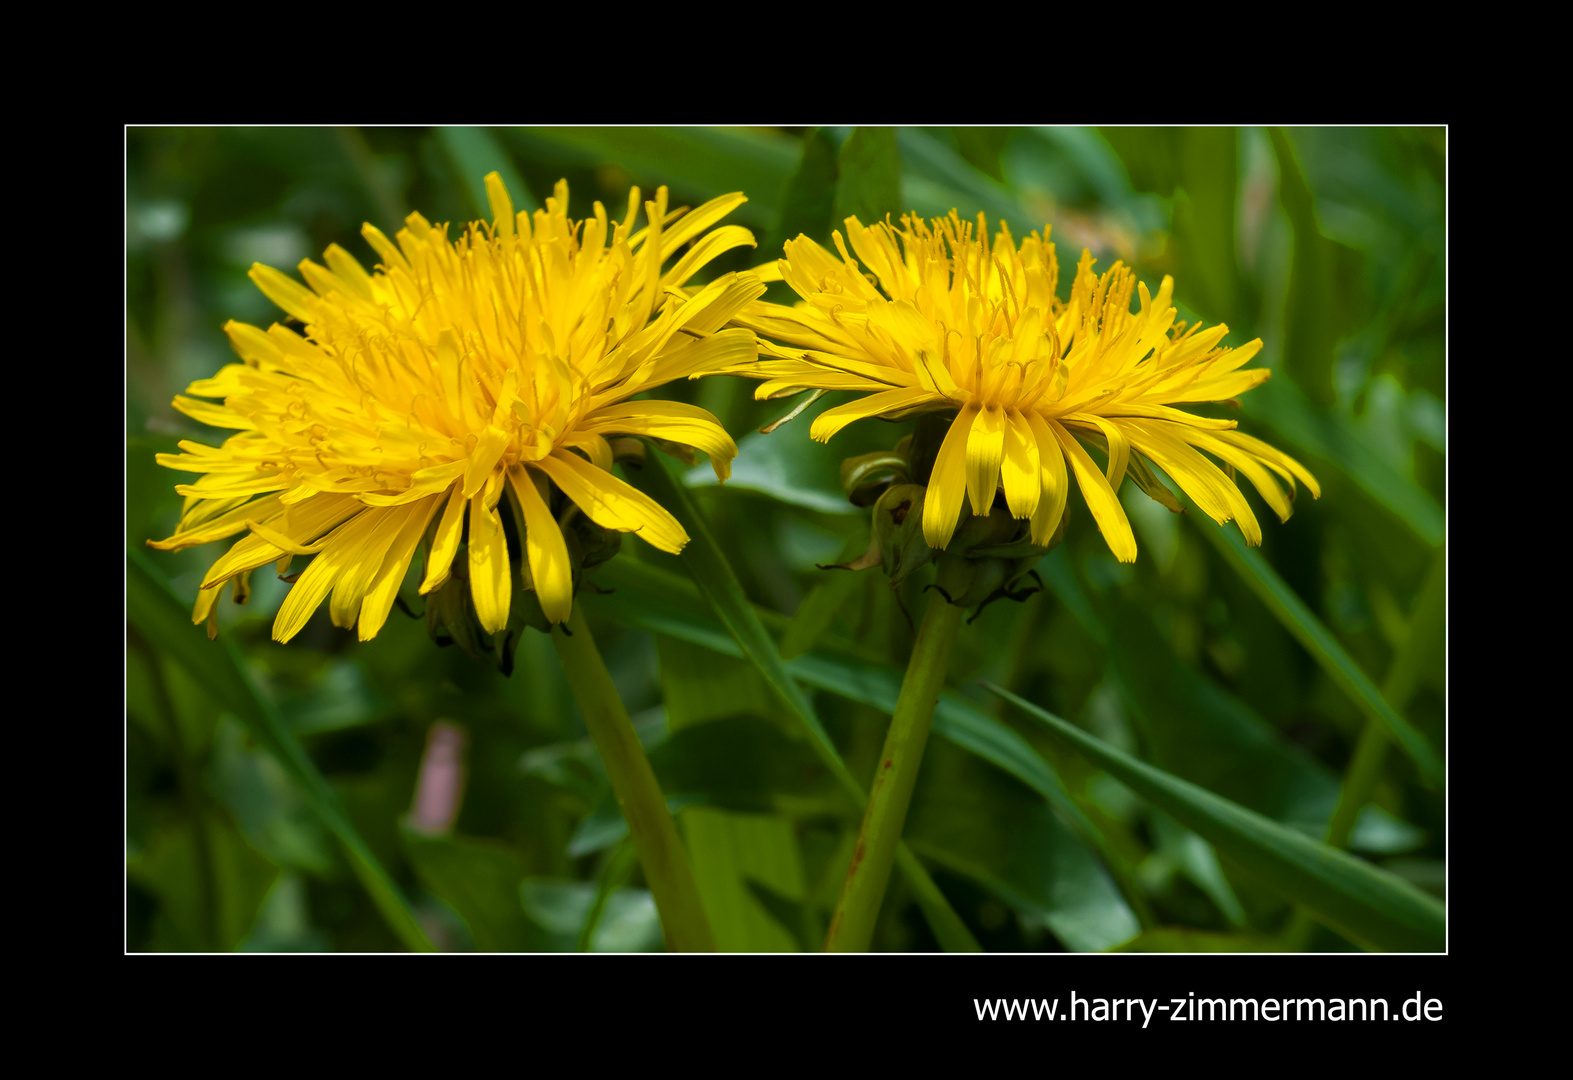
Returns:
<point x="474" y="152"/>
<point x="795" y="471"/>
<point x="1012" y="842"/>
<point x="1324" y="648"/>
<point x="165" y="622"/>
<point x="1200" y="732"/>
<point x="720" y="587"/>
<point x="696" y="163"/>
<point x="870" y="177"/>
<point x="936" y="180"/>
<point x="1367" y="905"/>
<point x="171" y="868"/>
<point x="1206" y="275"/>
<point x="810" y="196"/>
<point x="1314" y="318"/>
<point x="479" y="879"/>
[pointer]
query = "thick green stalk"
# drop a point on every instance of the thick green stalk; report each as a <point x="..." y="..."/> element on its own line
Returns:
<point x="661" y="853"/>
<point x="852" y="927"/>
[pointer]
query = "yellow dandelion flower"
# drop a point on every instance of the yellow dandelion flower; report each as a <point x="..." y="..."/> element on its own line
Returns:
<point x="455" y="376"/>
<point x="947" y="321"/>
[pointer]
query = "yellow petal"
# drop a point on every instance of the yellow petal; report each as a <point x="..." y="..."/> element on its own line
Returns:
<point x="1101" y="500"/>
<point x="1021" y="467"/>
<point x="502" y="205"/>
<point x="303" y="523"/>
<point x="286" y="292"/>
<point x="491" y="585"/>
<point x="226" y="524"/>
<point x="985" y="447"/>
<point x="1281" y="462"/>
<point x="361" y="566"/>
<point x="545" y="549"/>
<point x="1204" y="482"/>
<point x="948" y="483"/>
<point x="1056" y="484"/>
<point x="673" y="420"/>
<point x="445" y="543"/>
<point x="312" y="587"/>
<point x="833" y="420"/>
<point x="611" y="503"/>
<point x="384" y="588"/>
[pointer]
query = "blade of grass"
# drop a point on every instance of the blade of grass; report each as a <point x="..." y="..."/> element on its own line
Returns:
<point x="1369" y="906"/>
<point x="162" y="620"/>
<point x="473" y="152"/>
<point x="719" y="584"/>
<point x="1310" y="632"/>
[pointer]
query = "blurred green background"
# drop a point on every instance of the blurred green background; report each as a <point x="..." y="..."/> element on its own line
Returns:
<point x="1328" y="243"/>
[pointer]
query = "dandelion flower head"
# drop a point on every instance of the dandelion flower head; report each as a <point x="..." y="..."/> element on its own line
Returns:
<point x="455" y="382"/>
<point x="932" y="316"/>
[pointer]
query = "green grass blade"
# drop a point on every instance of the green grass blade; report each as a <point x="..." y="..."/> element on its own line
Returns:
<point x="1367" y="905"/>
<point x="869" y="183"/>
<point x="473" y="152"/>
<point x="153" y="608"/>
<point x="719" y="584"/>
<point x="1319" y="641"/>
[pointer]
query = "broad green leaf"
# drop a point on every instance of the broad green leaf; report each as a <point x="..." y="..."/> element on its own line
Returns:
<point x="1367" y="905"/>
<point x="1200" y="732"/>
<point x="724" y="592"/>
<point x="810" y="196"/>
<point x="474" y="152"/>
<point x="1012" y="842"/>
<point x="869" y="177"/>
<point x="1324" y="648"/>
<point x="479" y="879"/>
<point x="728" y="750"/>
<point x="165" y="622"/>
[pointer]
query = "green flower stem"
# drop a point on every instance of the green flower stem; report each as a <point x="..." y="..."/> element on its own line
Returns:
<point x="661" y="853"/>
<point x="852" y="927"/>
